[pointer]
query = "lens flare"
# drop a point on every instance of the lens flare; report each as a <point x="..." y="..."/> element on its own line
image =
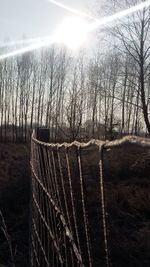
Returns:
<point x="74" y="33"/>
<point x="73" y="10"/>
<point x="118" y="15"/>
<point x="22" y="42"/>
<point x="49" y="41"/>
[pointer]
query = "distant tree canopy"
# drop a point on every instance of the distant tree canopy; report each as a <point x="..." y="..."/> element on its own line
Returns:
<point x="96" y="96"/>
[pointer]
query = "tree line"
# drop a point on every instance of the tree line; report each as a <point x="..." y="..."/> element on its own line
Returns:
<point x="102" y="95"/>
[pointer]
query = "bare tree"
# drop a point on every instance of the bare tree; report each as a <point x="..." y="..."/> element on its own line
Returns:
<point x="134" y="35"/>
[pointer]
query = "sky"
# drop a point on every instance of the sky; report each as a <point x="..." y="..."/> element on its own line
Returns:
<point x="29" y="19"/>
<point x="34" y="18"/>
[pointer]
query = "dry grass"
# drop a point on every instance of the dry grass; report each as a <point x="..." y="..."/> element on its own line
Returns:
<point x="127" y="186"/>
<point x="127" y="176"/>
<point x="14" y="203"/>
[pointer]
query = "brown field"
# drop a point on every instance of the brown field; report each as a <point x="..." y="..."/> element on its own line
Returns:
<point x="14" y="203"/>
<point x="127" y="176"/>
<point x="127" y="187"/>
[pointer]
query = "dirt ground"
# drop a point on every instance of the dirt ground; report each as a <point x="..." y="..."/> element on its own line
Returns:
<point x="127" y="187"/>
<point x="14" y="203"/>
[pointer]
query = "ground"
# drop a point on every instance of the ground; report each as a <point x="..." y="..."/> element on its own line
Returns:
<point x="14" y="203"/>
<point x="127" y="187"/>
<point x="127" y="176"/>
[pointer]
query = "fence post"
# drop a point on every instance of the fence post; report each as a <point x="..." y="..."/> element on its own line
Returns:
<point x="43" y="134"/>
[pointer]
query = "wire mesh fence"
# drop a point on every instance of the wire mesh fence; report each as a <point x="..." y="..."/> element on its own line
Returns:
<point x="63" y="233"/>
<point x="69" y="216"/>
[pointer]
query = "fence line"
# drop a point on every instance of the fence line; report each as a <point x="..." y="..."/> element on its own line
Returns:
<point x="69" y="217"/>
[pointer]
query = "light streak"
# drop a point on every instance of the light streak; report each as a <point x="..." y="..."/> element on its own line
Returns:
<point x="91" y="26"/>
<point x="22" y="42"/>
<point x="48" y="42"/>
<point x="72" y="10"/>
<point x="119" y="15"/>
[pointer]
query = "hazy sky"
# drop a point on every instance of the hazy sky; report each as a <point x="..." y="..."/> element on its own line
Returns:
<point x="34" y="18"/>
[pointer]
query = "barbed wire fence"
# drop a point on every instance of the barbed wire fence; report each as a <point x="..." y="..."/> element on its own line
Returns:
<point x="69" y="213"/>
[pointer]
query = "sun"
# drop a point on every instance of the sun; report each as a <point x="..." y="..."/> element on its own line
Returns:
<point x="72" y="32"/>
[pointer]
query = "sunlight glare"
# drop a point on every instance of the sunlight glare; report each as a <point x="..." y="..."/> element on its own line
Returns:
<point x="49" y="41"/>
<point x="72" y="32"/>
<point x="6" y="44"/>
<point x="118" y="15"/>
<point x="72" y="10"/>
